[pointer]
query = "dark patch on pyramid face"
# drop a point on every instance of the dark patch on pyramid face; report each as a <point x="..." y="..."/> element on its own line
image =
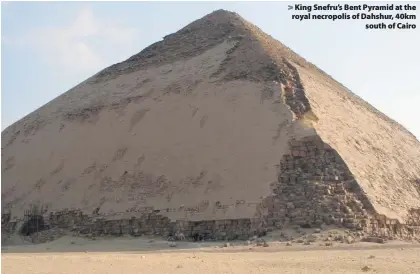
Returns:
<point x="89" y="114"/>
<point x="137" y="117"/>
<point x="10" y="162"/>
<point x="33" y="127"/>
<point x="58" y="168"/>
<point x="203" y="121"/>
<point x="13" y="136"/>
<point x="119" y="154"/>
<point x="247" y="59"/>
<point x="194" y="111"/>
<point x="190" y="41"/>
<point x="66" y="185"/>
<point x="250" y="56"/>
<point x="280" y="128"/>
<point x="89" y="169"/>
<point x="40" y="183"/>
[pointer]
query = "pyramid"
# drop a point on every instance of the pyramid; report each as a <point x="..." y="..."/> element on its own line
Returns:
<point x="217" y="129"/>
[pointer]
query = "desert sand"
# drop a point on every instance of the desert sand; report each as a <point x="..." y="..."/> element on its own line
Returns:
<point x="140" y="255"/>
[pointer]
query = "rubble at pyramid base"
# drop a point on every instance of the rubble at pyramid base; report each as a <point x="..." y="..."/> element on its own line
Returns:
<point x="314" y="190"/>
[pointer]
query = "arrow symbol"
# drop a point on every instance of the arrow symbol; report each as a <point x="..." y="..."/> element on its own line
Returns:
<point x="289" y="7"/>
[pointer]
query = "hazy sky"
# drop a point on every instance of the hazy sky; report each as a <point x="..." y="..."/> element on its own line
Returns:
<point x="49" y="47"/>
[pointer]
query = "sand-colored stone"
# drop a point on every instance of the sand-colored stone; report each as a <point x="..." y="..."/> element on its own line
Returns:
<point x="196" y="126"/>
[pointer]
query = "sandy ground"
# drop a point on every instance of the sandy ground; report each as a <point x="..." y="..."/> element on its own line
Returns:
<point x="140" y="255"/>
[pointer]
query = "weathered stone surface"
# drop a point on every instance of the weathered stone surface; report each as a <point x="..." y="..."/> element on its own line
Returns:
<point x="349" y="239"/>
<point x="379" y="240"/>
<point x="136" y="149"/>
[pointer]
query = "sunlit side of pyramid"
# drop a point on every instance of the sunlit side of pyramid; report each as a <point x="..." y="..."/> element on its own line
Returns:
<point x="220" y="129"/>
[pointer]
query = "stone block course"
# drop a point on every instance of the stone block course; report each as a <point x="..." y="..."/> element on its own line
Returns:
<point x="314" y="188"/>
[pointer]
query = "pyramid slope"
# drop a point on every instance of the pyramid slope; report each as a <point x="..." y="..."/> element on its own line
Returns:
<point x="199" y="127"/>
<point x="155" y="127"/>
<point x="384" y="159"/>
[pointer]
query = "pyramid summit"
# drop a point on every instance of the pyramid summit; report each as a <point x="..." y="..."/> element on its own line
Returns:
<point x="218" y="129"/>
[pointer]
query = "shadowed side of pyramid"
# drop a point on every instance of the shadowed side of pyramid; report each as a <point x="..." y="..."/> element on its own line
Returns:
<point x="219" y="130"/>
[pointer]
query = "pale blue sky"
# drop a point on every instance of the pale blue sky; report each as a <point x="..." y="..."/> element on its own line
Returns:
<point x="49" y="47"/>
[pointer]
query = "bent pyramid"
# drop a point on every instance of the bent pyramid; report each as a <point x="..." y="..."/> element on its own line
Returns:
<point x="217" y="129"/>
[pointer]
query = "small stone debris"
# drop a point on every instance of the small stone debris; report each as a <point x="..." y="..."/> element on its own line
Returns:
<point x="339" y="238"/>
<point x="288" y="244"/>
<point x="349" y="240"/>
<point x="371" y="257"/>
<point x="372" y="239"/>
<point x="318" y="230"/>
<point x="366" y="268"/>
<point x="226" y="245"/>
<point x="46" y="235"/>
<point x="262" y="242"/>
<point x="311" y="238"/>
<point x="328" y="244"/>
<point x="253" y="238"/>
<point x="172" y="244"/>
<point x="307" y="243"/>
